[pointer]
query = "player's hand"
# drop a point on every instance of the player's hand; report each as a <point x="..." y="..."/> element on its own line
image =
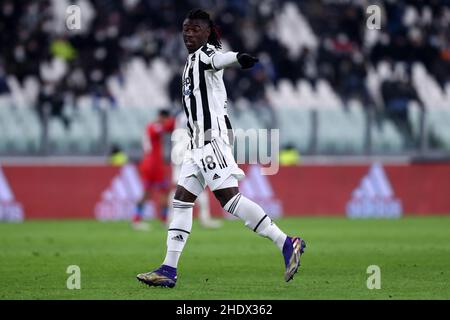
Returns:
<point x="246" y="61"/>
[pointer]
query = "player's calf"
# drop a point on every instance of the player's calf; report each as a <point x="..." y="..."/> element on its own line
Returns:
<point x="256" y="219"/>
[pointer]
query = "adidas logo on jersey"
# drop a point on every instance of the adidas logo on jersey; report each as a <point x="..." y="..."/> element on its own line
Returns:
<point x="216" y="176"/>
<point x="178" y="237"/>
<point x="374" y="197"/>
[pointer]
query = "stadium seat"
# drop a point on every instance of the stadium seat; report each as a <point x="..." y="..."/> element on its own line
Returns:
<point x="28" y="120"/>
<point x="427" y="87"/>
<point x="273" y="96"/>
<point x="340" y="131"/>
<point x="287" y="94"/>
<point x="325" y="95"/>
<point x="384" y="70"/>
<point x="306" y="94"/>
<point x="58" y="136"/>
<point x="17" y="95"/>
<point x="295" y="127"/>
<point x="438" y="120"/>
<point x="414" y="114"/>
<point x="90" y="120"/>
<point x="410" y="16"/>
<point x="386" y="138"/>
<point x="373" y="83"/>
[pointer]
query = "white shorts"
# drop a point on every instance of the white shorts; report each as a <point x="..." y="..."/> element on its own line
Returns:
<point x="175" y="173"/>
<point x="212" y="165"/>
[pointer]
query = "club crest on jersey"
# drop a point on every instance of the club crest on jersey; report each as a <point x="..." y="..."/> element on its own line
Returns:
<point x="209" y="52"/>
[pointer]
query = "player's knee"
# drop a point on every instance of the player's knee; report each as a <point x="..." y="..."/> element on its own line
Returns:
<point x="181" y="194"/>
<point x="225" y="195"/>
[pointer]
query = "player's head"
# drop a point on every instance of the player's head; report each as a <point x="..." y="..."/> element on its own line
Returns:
<point x="163" y="114"/>
<point x="199" y="29"/>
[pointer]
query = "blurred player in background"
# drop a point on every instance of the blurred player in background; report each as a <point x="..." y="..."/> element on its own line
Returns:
<point x="180" y="140"/>
<point x="117" y="157"/>
<point x="209" y="161"/>
<point x="151" y="168"/>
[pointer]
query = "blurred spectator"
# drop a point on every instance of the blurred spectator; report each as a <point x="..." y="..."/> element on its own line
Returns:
<point x="62" y="49"/>
<point x="353" y="73"/>
<point x="308" y="66"/>
<point x="397" y="94"/>
<point x="256" y="94"/>
<point x="289" y="156"/>
<point x="50" y="103"/>
<point x="117" y="157"/>
<point x="174" y="89"/>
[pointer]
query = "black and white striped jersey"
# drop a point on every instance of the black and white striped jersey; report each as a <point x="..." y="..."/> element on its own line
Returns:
<point x="204" y="97"/>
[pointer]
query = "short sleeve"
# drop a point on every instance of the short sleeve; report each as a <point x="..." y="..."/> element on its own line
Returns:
<point x="207" y="57"/>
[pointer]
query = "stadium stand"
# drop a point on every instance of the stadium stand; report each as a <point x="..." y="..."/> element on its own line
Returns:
<point x="318" y="60"/>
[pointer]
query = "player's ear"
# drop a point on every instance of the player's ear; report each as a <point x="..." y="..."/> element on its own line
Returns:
<point x="208" y="29"/>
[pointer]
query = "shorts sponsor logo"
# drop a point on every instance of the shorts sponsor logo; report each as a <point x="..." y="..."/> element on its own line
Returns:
<point x="374" y="197"/>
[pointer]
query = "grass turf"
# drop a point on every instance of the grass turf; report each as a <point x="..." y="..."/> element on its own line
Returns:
<point x="229" y="263"/>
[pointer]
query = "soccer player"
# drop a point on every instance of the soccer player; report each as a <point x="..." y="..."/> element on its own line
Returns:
<point x="209" y="159"/>
<point x="152" y="167"/>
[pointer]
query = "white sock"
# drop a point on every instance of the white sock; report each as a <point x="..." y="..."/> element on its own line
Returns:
<point x="255" y="218"/>
<point x="170" y="207"/>
<point x="203" y="203"/>
<point x="179" y="230"/>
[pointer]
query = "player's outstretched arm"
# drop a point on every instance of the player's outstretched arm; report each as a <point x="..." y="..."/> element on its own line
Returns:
<point x="223" y="60"/>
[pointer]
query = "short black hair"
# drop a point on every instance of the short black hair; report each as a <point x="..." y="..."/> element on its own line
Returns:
<point x="164" y="112"/>
<point x="115" y="148"/>
<point x="214" y="37"/>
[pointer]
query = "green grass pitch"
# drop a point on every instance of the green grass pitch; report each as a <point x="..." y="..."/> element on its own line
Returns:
<point x="413" y="254"/>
